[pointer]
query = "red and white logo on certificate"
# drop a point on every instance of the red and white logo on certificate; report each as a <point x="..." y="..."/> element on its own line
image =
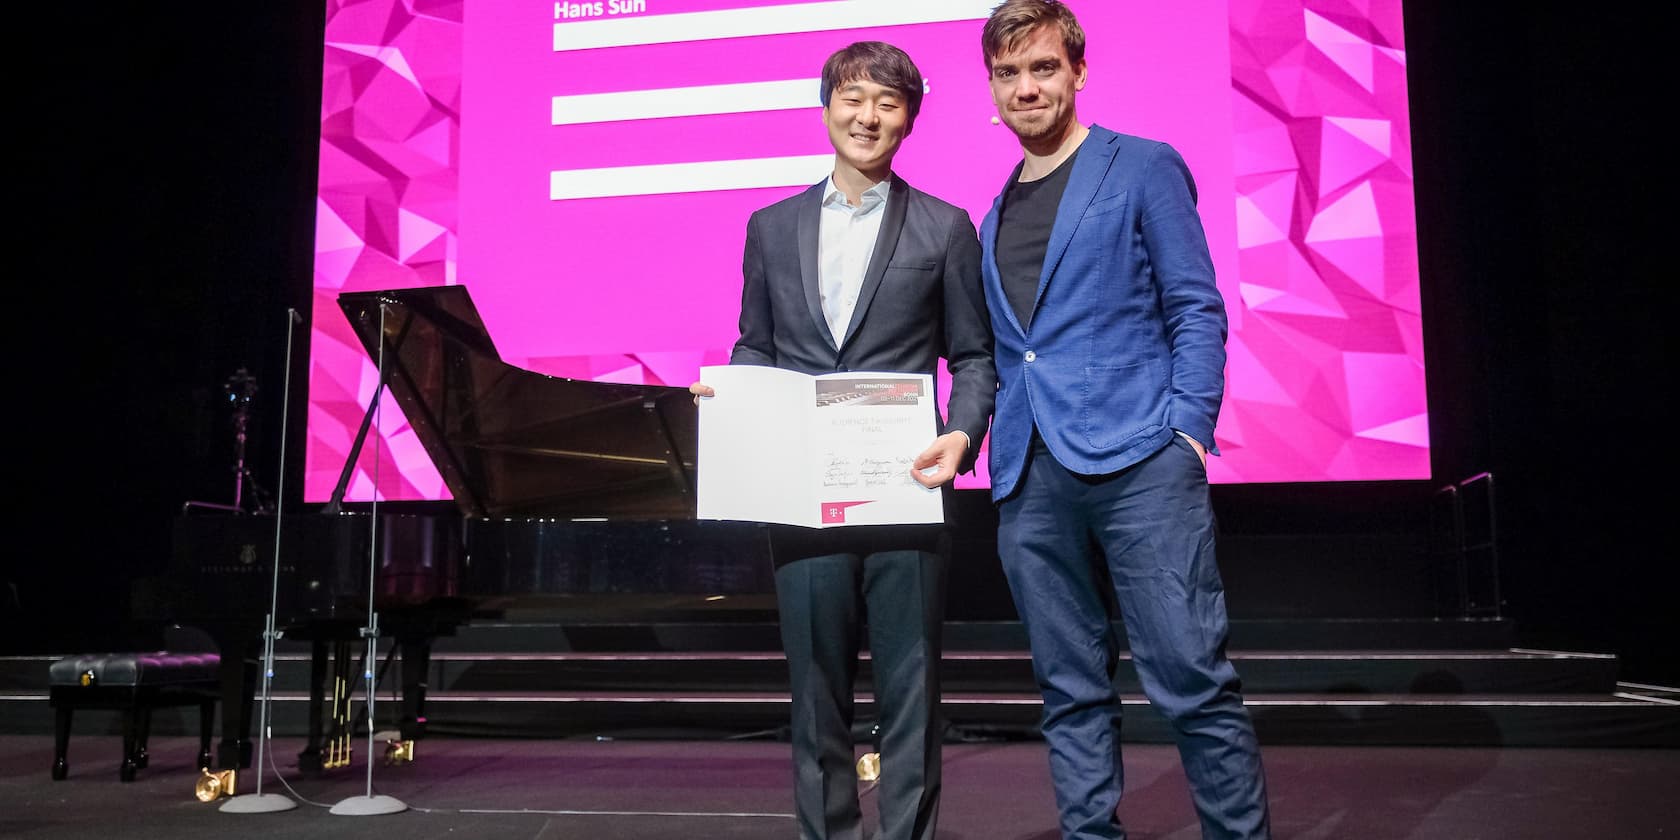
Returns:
<point x="835" y="512"/>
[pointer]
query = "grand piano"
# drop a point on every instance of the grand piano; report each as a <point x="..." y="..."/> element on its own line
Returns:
<point x="558" y="486"/>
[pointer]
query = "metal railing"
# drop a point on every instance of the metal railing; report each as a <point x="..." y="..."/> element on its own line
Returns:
<point x="1466" y="545"/>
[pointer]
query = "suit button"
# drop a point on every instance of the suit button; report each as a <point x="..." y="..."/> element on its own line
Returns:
<point x="1031" y="356"/>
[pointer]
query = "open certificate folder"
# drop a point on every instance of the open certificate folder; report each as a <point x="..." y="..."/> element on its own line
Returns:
<point x="821" y="451"/>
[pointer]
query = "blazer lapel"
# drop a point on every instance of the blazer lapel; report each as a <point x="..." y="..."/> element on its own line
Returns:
<point x="886" y="241"/>
<point x="810" y="218"/>
<point x="1089" y="166"/>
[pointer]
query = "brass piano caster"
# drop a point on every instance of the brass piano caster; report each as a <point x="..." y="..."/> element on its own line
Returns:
<point x="213" y="785"/>
<point x="399" y="751"/>
<point x="869" y="767"/>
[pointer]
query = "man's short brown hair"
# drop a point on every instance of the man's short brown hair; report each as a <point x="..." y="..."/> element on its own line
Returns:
<point x="1014" y="21"/>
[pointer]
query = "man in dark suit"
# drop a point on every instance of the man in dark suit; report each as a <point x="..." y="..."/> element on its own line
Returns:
<point x="1110" y="340"/>
<point x="863" y="272"/>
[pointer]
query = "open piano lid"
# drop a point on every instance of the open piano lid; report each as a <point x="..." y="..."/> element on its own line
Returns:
<point x="511" y="442"/>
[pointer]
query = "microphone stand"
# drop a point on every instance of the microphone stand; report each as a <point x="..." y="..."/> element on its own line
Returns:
<point x="240" y="388"/>
<point x="369" y="804"/>
<point x="242" y="422"/>
<point x="259" y="802"/>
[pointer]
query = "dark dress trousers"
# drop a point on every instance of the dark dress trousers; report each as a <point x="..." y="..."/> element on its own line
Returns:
<point x="921" y="300"/>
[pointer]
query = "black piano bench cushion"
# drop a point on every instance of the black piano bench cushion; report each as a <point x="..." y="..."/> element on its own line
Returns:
<point x="134" y="684"/>
<point x="134" y="669"/>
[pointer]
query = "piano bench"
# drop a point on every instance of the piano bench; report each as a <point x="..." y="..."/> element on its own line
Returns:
<point x="135" y="684"/>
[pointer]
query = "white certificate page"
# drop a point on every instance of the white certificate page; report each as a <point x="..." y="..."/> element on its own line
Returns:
<point x="819" y="451"/>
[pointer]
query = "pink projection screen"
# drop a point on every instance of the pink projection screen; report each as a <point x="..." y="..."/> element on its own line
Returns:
<point x="586" y="170"/>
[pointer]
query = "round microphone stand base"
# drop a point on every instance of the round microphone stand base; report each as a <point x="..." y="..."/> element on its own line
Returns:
<point x="257" y="803"/>
<point x="369" y="806"/>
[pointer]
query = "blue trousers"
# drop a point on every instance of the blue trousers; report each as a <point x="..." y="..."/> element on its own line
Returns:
<point x="1147" y="531"/>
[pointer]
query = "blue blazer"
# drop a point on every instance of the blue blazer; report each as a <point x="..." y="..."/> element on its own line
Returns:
<point x="1127" y="338"/>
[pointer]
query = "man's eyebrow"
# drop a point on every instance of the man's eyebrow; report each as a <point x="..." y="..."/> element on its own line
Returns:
<point x="1025" y="61"/>
<point x="857" y="86"/>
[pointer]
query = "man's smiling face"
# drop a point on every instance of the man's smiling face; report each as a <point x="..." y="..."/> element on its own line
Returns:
<point x="866" y="123"/>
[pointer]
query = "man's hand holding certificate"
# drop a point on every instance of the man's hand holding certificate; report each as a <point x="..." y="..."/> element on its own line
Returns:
<point x="838" y="449"/>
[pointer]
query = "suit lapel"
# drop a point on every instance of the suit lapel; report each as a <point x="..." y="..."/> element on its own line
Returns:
<point x="810" y="277"/>
<point x="886" y="241"/>
<point x="1089" y="165"/>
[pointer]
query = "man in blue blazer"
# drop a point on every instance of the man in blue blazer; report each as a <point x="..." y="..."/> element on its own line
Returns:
<point x="863" y="272"/>
<point x="1110" y="353"/>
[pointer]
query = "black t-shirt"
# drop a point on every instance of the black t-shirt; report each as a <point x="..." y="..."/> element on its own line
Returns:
<point x="1029" y="212"/>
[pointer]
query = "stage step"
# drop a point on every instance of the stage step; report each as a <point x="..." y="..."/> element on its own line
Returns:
<point x="1621" y="719"/>
<point x="692" y="667"/>
<point x="1432" y="672"/>
<point x="1512" y="696"/>
<point x="749" y="629"/>
<point x="1557" y="720"/>
<point x="1269" y="672"/>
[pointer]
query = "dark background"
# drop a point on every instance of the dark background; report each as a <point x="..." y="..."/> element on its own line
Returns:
<point x="166" y="158"/>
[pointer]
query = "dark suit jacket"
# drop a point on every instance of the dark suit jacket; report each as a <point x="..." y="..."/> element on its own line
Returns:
<point x="921" y="300"/>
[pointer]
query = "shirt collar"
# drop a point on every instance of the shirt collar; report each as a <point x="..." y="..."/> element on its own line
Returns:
<point x="872" y="198"/>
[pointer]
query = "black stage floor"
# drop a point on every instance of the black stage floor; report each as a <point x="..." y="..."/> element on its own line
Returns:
<point x="608" y="790"/>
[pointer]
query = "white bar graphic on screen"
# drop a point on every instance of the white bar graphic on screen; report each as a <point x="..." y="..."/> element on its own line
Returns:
<point x="763" y="20"/>
<point x="685" y="101"/>
<point x="704" y="176"/>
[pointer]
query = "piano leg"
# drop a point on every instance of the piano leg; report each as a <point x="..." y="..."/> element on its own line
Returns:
<point x="238" y="693"/>
<point x="309" y="760"/>
<point x="416" y="663"/>
<point x="238" y="678"/>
